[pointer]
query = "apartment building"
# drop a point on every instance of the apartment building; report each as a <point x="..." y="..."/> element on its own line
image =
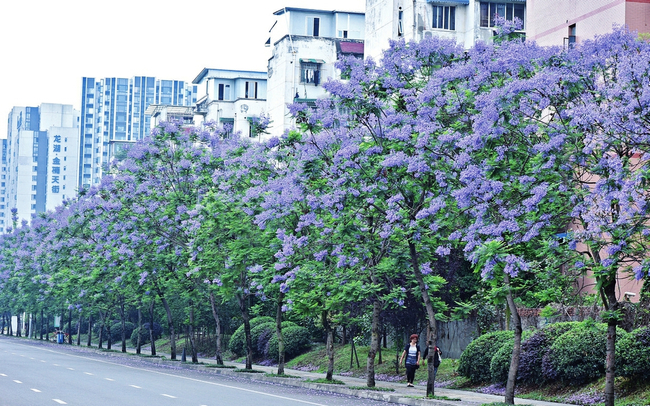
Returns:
<point x="466" y="21"/>
<point x="306" y="44"/>
<point x="232" y="98"/>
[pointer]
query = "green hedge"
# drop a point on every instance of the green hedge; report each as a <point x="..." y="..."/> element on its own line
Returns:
<point x="578" y="356"/>
<point x="237" y="344"/>
<point x="633" y="354"/>
<point x="296" y="341"/>
<point x="474" y="362"/>
<point x="261" y="334"/>
<point x="534" y="349"/>
<point x="500" y="362"/>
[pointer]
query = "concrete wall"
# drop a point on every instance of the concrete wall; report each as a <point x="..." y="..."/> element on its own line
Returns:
<point x="549" y="20"/>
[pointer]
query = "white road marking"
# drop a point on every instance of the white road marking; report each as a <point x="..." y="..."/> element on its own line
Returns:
<point x="36" y="390"/>
<point x="109" y="379"/>
<point x="31" y="358"/>
<point x="169" y="396"/>
<point x="71" y="369"/>
<point x="59" y="401"/>
<point x="43" y="360"/>
<point x="3" y="375"/>
<point x="17" y="381"/>
<point x="56" y="365"/>
<point x="177" y="376"/>
<point x="88" y="373"/>
<point x="133" y="386"/>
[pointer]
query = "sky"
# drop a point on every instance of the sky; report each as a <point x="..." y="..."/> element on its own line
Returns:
<point x="47" y="46"/>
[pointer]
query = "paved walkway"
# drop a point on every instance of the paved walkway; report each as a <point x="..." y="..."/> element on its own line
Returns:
<point x="401" y="394"/>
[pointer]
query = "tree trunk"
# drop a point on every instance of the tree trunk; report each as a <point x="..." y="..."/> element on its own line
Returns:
<point x="374" y="344"/>
<point x="90" y="329"/>
<point x="515" y="320"/>
<point x="139" y="344"/>
<point x="70" y="326"/>
<point x="329" y="346"/>
<point x="433" y="332"/>
<point x="102" y="317"/>
<point x="151" y="337"/>
<point x="278" y="331"/>
<point x="195" y="358"/>
<point x="41" y="335"/>
<point x="2" y="331"/>
<point x="170" y="324"/>
<point x="123" y="317"/>
<point x="18" y="325"/>
<point x="243" y="307"/>
<point x="217" y="355"/>
<point x="609" y="292"/>
<point x="79" y="331"/>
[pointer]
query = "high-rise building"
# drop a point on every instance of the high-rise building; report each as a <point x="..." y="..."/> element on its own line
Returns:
<point x="39" y="160"/>
<point x="113" y="117"/>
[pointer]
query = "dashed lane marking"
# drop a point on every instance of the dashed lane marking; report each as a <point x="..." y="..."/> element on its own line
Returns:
<point x="17" y="381"/>
<point x="88" y="373"/>
<point x="109" y="379"/>
<point x="36" y="390"/>
<point x="169" y="396"/>
<point x="182" y="377"/>
<point x="134" y="386"/>
<point x="59" y="401"/>
<point x="71" y="369"/>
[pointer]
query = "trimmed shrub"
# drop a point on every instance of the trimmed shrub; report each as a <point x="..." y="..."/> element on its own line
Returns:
<point x="578" y="356"/>
<point x="533" y="350"/>
<point x="296" y="341"/>
<point x="633" y="354"/>
<point x="261" y="334"/>
<point x="116" y="331"/>
<point x="500" y="362"/>
<point x="474" y="362"/>
<point x="237" y="344"/>
<point x="157" y="333"/>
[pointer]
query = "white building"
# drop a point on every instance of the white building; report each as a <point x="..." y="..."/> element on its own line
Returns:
<point x="231" y="97"/>
<point x="40" y="160"/>
<point x="466" y="21"/>
<point x="306" y="44"/>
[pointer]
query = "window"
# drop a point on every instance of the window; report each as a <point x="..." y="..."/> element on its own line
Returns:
<point x="250" y="90"/>
<point x="400" y="22"/>
<point x="310" y="72"/>
<point x="444" y="17"/>
<point x="33" y="207"/>
<point x="224" y="92"/>
<point x="313" y="26"/>
<point x="571" y="39"/>
<point x="508" y="10"/>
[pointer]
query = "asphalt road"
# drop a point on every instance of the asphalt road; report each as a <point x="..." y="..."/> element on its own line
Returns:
<point x="32" y="375"/>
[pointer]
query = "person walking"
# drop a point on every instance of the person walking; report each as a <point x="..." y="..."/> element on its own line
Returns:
<point x="437" y="358"/>
<point x="412" y="354"/>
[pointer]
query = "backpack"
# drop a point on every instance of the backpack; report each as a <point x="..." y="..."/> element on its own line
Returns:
<point x="436" y="359"/>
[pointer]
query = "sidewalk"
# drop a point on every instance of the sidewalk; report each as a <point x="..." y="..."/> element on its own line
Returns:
<point x="401" y="395"/>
